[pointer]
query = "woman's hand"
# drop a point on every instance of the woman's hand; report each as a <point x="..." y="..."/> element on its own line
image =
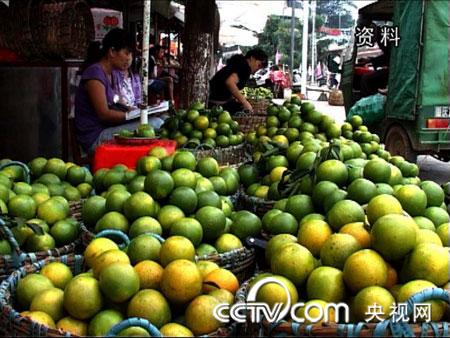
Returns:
<point x="247" y="106"/>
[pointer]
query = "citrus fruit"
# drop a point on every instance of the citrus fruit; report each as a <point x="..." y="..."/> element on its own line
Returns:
<point x="39" y="317"/>
<point x="306" y="160"/>
<point x="107" y="258"/>
<point x="82" y="297"/>
<point x="143" y="247"/>
<point x="72" y="325"/>
<point x="437" y="215"/>
<point x="377" y="171"/>
<point x="159" y="184"/>
<point x="383" y="205"/>
<point x="396" y="176"/>
<point x="119" y="282"/>
<point x="175" y="330"/>
<point x="361" y="190"/>
<point x="199" y="315"/>
<point x="208" y="167"/>
<point x="427" y="261"/>
<point x="435" y="194"/>
<point x="176" y="248"/>
<point x="313" y="234"/>
<point x="22" y="206"/>
<point x="299" y="206"/>
<point x="188" y="227"/>
<point x="184" y="159"/>
<point x="368" y="298"/>
<point x="394" y="236"/>
<point x="326" y="283"/>
<point x="30" y="286"/>
<point x="96" y="248"/>
<point x="151" y="305"/>
<point x="64" y="232"/>
<point x="248" y="174"/>
<point x="428" y="236"/>
<point x="424" y="223"/>
<point x="276" y="242"/>
<point x="272" y="293"/>
<point x="181" y="281"/>
<point x="184" y="198"/>
<point x="358" y="231"/>
<point x="443" y="233"/>
<point x="407" y="290"/>
<point x="147" y="164"/>
<point x="103" y="321"/>
<point x="169" y="214"/>
<point x="205" y="267"/>
<point x="212" y="220"/>
<point x="333" y="198"/>
<point x="220" y="279"/>
<point x="245" y="224"/>
<point x="209" y="198"/>
<point x="283" y="223"/>
<point x="57" y="167"/>
<point x="150" y="274"/>
<point x="37" y="166"/>
<point x="49" y="301"/>
<point x="333" y="171"/>
<point x="93" y="209"/>
<point x="337" y="248"/>
<point x="112" y="220"/>
<point x="356" y="274"/>
<point x="184" y="178"/>
<point x="293" y="261"/>
<point x="58" y="273"/>
<point x="344" y="212"/>
<point x="143" y="225"/>
<point x="321" y="191"/>
<point x="227" y="242"/>
<point x="412" y="198"/>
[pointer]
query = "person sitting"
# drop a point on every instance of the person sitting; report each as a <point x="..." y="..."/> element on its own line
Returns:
<point x="162" y="86"/>
<point x="97" y="117"/>
<point x="128" y="88"/>
<point x="225" y="85"/>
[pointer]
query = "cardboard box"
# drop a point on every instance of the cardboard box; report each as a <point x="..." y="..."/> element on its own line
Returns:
<point x="105" y="20"/>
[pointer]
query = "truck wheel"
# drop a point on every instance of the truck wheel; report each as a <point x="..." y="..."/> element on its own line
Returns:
<point x="397" y="143"/>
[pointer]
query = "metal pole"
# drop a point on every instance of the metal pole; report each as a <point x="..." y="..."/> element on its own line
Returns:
<point x="313" y="40"/>
<point x="145" y="58"/>
<point x="292" y="38"/>
<point x="305" y="46"/>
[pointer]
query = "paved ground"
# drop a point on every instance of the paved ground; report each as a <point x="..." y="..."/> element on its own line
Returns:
<point x="430" y="168"/>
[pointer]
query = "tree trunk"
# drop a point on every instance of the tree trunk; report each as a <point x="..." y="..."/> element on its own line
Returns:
<point x="198" y="47"/>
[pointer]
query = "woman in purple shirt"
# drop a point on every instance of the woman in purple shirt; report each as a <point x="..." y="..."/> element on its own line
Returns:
<point x="96" y="118"/>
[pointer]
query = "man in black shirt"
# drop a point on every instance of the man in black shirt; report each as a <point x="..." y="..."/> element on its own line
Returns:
<point x="225" y="86"/>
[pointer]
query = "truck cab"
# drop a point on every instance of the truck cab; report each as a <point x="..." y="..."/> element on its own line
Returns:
<point x="417" y="109"/>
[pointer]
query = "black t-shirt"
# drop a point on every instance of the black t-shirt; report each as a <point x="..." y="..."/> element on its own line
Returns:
<point x="218" y="89"/>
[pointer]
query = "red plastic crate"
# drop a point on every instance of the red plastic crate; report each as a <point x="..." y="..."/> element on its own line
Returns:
<point x="111" y="153"/>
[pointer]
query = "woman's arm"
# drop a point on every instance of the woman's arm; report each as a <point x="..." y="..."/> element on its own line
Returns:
<point x="231" y="84"/>
<point x="96" y="92"/>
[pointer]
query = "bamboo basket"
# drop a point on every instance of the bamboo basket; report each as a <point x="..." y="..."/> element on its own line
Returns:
<point x="13" y="324"/>
<point x="18" y="258"/>
<point x="256" y="205"/>
<point x="229" y="156"/>
<point x="386" y="328"/>
<point x="249" y="122"/>
<point x="259" y="105"/>
<point x="336" y="98"/>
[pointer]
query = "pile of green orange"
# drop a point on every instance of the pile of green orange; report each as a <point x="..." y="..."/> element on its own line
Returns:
<point x="213" y="127"/>
<point x="172" y="195"/>
<point x="170" y="290"/>
<point x="372" y="256"/>
<point x="144" y="130"/>
<point x="42" y="207"/>
<point x="298" y="148"/>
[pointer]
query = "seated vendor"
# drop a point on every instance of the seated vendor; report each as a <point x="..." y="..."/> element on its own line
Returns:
<point x="225" y="86"/>
<point x="97" y="115"/>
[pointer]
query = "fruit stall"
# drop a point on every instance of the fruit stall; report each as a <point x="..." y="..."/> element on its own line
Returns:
<point x="297" y="212"/>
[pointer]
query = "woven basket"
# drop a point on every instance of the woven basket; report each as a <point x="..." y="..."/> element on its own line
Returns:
<point x="256" y="205"/>
<point x="240" y="261"/>
<point x="19" y="258"/>
<point x="46" y="30"/>
<point x="229" y="156"/>
<point x="387" y="328"/>
<point x="336" y="98"/>
<point x="12" y="323"/>
<point x="249" y="122"/>
<point x="259" y="105"/>
<point x="15" y="325"/>
<point x="75" y="209"/>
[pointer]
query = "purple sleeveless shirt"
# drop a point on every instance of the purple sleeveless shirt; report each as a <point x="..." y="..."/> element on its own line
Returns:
<point x="87" y="123"/>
